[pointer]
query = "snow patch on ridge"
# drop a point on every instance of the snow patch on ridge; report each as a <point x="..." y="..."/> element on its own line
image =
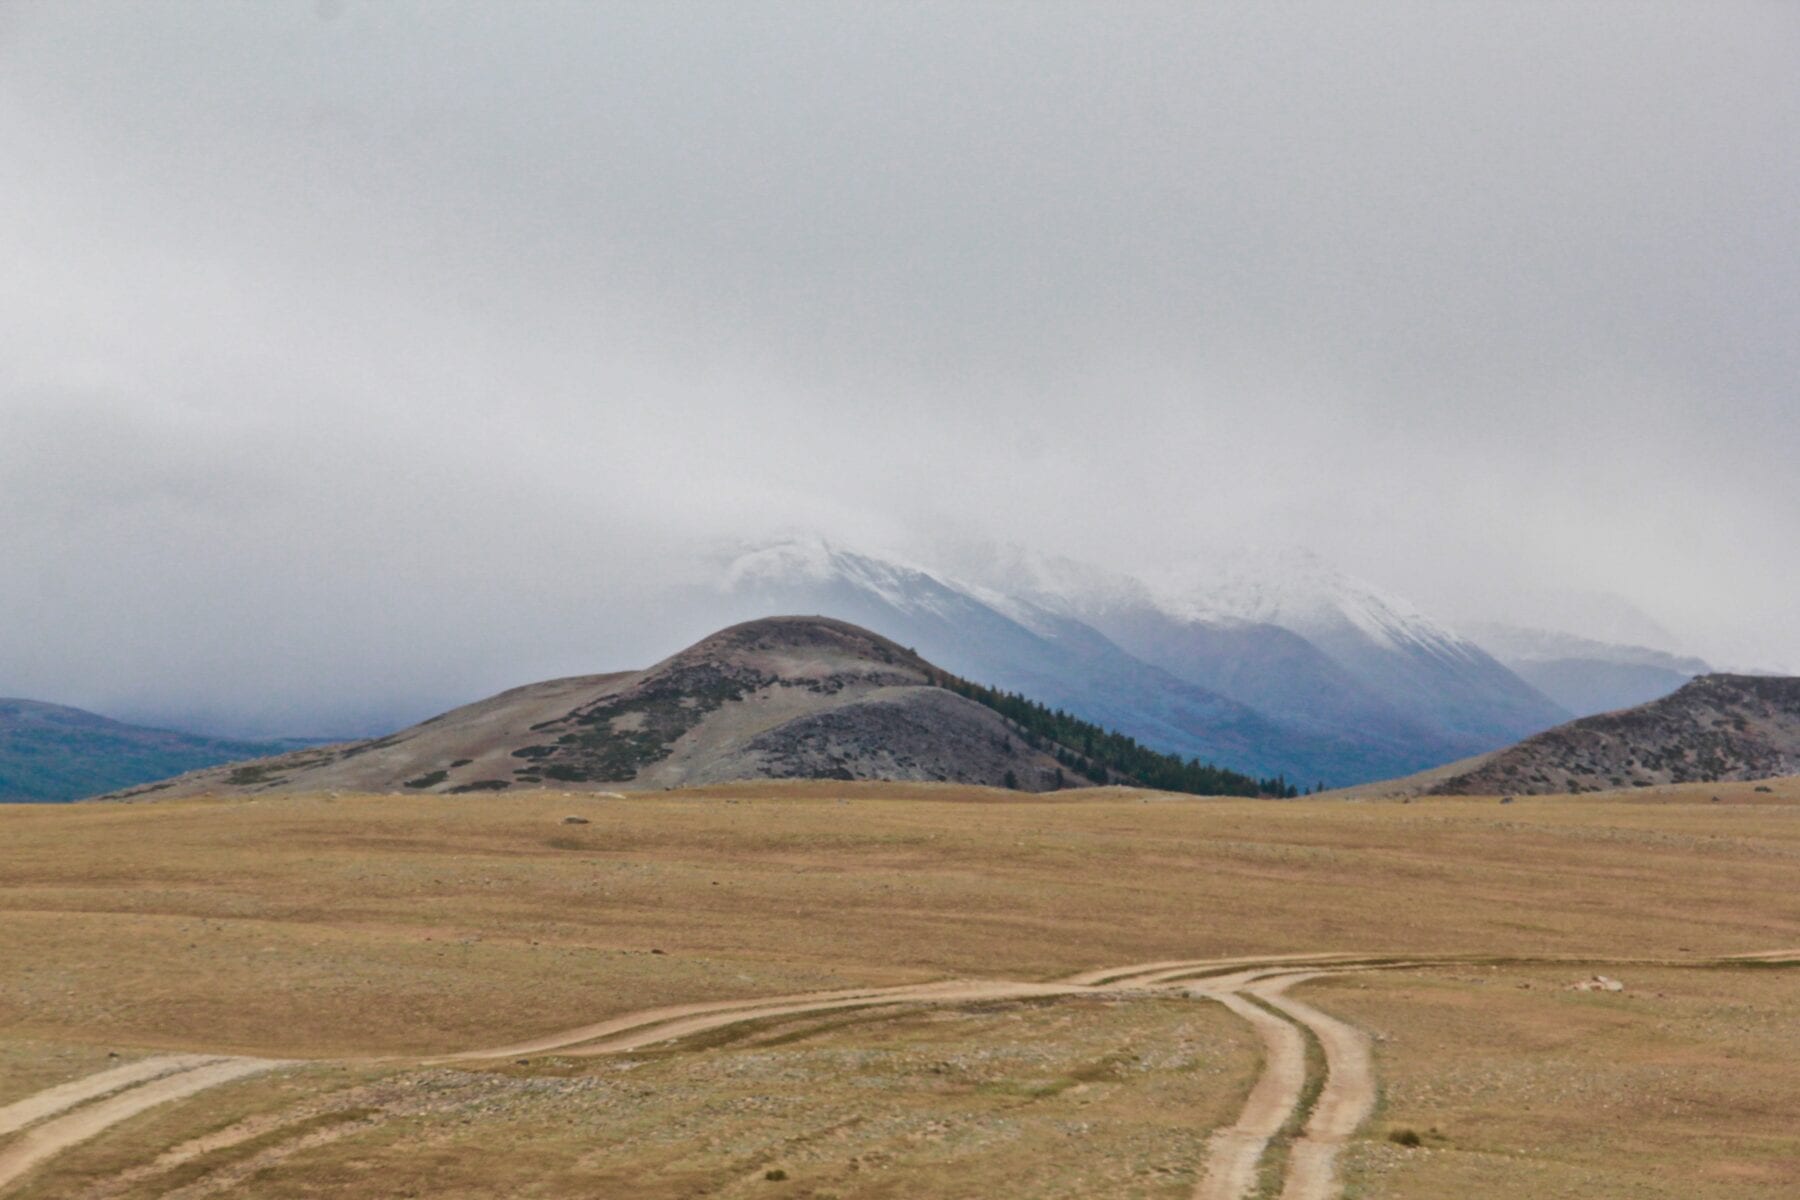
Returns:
<point x="1517" y="643"/>
<point x="1301" y="592"/>
<point x="810" y="559"/>
<point x="1050" y="584"/>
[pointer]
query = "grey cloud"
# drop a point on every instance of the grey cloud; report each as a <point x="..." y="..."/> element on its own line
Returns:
<point x="456" y="322"/>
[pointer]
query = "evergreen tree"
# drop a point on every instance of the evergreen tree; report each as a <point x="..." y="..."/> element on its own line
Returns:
<point x="1104" y="755"/>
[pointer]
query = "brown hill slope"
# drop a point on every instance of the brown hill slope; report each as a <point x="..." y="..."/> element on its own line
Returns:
<point x="1718" y="727"/>
<point x="780" y="698"/>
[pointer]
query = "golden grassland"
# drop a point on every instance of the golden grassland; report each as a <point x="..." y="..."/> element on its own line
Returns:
<point x="1089" y="1098"/>
<point x="318" y="927"/>
<point x="1683" y="1085"/>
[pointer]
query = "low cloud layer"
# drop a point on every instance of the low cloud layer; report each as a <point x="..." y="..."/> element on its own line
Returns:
<point x="361" y="357"/>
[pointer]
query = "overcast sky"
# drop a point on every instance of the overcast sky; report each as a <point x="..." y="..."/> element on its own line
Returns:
<point x="366" y="355"/>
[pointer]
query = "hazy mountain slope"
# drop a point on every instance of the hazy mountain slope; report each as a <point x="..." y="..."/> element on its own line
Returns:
<point x="1271" y="669"/>
<point x="1266" y="666"/>
<point x="49" y="752"/>
<point x="786" y="697"/>
<point x="1717" y="727"/>
<point x="1429" y="675"/>
<point x="1014" y="643"/>
<point x="1587" y="676"/>
<point x="1586" y="686"/>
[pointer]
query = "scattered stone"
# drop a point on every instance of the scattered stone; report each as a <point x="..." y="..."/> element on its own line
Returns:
<point x="1599" y="983"/>
<point x="575" y="820"/>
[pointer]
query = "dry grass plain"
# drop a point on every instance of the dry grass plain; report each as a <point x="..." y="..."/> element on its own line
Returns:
<point x="358" y="934"/>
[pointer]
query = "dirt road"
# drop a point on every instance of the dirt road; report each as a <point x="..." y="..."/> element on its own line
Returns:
<point x="39" y="1143"/>
<point x="1235" y="1153"/>
<point x="1345" y="1101"/>
<point x="65" y="1096"/>
<point x="1254" y="989"/>
<point x="654" y="1025"/>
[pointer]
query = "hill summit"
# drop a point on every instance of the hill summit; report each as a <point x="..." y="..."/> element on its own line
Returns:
<point x="1715" y="728"/>
<point x="776" y="698"/>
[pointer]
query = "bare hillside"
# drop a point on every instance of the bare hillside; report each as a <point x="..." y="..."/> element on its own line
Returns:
<point x="1716" y="728"/>
<point x="779" y="698"/>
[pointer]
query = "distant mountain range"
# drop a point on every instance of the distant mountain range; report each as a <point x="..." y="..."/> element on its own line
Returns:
<point x="1587" y="676"/>
<point x="775" y="698"/>
<point x="49" y="752"/>
<point x="1274" y="664"/>
<point x="1268" y="664"/>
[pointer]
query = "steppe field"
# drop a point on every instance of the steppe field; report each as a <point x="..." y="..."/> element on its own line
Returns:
<point x="862" y="990"/>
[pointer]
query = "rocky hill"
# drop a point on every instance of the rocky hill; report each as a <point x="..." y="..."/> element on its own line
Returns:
<point x="1718" y="727"/>
<point x="777" y="698"/>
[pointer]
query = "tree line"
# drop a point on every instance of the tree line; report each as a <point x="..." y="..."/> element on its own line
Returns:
<point x="1108" y="757"/>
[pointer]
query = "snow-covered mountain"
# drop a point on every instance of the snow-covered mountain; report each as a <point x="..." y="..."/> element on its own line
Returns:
<point x="1300" y="591"/>
<point x="1254" y="662"/>
<point x="1588" y="676"/>
<point x="1426" y="672"/>
<point x="1297" y="639"/>
<point x="1011" y="642"/>
<point x="1216" y="670"/>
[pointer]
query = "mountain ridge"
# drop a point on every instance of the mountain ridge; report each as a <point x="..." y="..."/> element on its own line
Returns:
<point x="1041" y="653"/>
<point x="773" y="698"/>
<point x="51" y="753"/>
<point x="1585" y="675"/>
<point x="1433" y="677"/>
<point x="1253" y="695"/>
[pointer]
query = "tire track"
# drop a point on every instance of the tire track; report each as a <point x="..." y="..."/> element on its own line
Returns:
<point x="1345" y="1101"/>
<point x="1234" y="1153"/>
<point x="938" y="994"/>
<point x="635" y="1030"/>
<point x="42" y="1142"/>
<point x="1156" y="972"/>
<point x="63" y="1097"/>
<point x="582" y="1034"/>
